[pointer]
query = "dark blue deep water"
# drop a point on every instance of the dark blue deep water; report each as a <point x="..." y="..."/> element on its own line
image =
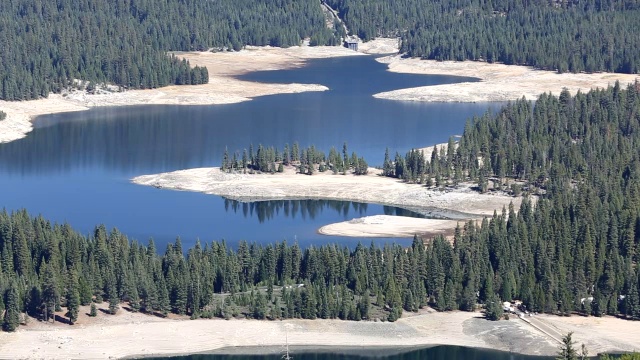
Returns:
<point x="76" y="167"/>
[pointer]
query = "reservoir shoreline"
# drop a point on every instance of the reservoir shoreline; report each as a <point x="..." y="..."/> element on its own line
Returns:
<point x="136" y="335"/>
<point x="498" y="82"/>
<point x="463" y="201"/>
<point x="223" y="86"/>
<point x="128" y="334"/>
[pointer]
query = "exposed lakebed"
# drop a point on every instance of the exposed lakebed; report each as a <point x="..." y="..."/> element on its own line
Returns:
<point x="75" y="167"/>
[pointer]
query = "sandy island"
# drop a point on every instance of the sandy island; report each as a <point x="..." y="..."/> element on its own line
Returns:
<point x="133" y="334"/>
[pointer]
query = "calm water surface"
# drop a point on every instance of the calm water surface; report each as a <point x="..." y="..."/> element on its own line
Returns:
<point x="76" y="167"/>
<point x="433" y="353"/>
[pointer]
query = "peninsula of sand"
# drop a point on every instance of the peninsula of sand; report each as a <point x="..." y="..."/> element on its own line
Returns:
<point x="454" y="204"/>
<point x="496" y="82"/>
<point x="128" y="334"/>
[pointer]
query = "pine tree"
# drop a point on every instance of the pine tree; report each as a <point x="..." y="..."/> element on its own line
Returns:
<point x="21" y="252"/>
<point x="387" y="166"/>
<point x="114" y="300"/>
<point x="93" y="312"/>
<point x="72" y="297"/>
<point x="345" y="158"/>
<point x="11" y="319"/>
<point x="134" y="299"/>
<point x="364" y="305"/>
<point x="567" y="351"/>
<point x="85" y="291"/>
<point x="226" y="166"/>
<point x="163" y="299"/>
<point x="493" y="309"/>
<point x="50" y="292"/>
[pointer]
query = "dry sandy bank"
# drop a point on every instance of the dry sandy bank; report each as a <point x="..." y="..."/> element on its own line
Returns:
<point x="380" y="46"/>
<point x="459" y="203"/>
<point x="499" y="82"/>
<point x="134" y="334"/>
<point x="390" y="226"/>
<point x="222" y="88"/>
<point x="371" y="188"/>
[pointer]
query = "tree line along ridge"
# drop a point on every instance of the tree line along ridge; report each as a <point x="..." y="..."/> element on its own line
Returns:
<point x="307" y="161"/>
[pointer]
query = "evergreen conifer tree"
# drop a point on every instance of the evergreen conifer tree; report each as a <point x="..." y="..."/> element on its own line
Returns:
<point x="11" y="319"/>
<point x="72" y="297"/>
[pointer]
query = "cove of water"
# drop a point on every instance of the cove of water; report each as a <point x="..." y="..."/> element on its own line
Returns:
<point x="75" y="167"/>
<point x="445" y="352"/>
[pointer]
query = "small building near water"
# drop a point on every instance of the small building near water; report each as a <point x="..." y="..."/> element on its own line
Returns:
<point x="351" y="44"/>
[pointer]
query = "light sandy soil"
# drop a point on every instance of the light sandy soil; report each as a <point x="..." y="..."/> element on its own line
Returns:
<point x="133" y="334"/>
<point x="19" y="114"/>
<point x="498" y="82"/>
<point x="460" y="203"/>
<point x="380" y="46"/>
<point x="390" y="226"/>
<point x="602" y="334"/>
<point x="371" y="188"/>
<point x="221" y="89"/>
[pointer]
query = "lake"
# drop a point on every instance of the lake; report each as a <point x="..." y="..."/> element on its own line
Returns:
<point x="445" y="352"/>
<point x="76" y="167"/>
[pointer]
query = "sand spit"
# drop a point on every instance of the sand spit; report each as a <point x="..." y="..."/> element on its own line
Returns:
<point x="129" y="334"/>
<point x="499" y="82"/>
<point x="390" y="226"/>
<point x="221" y="89"/>
<point x="371" y="188"/>
<point x="460" y="203"/>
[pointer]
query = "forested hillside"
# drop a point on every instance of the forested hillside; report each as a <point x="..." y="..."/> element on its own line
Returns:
<point x="576" y="250"/>
<point x="47" y="44"/>
<point x="556" y="35"/>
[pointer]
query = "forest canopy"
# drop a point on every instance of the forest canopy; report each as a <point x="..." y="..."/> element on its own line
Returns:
<point x="46" y="45"/>
<point x="555" y="35"/>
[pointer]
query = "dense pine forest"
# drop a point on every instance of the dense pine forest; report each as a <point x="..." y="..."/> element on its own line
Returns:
<point x="574" y="251"/>
<point x="556" y="35"/>
<point x="48" y="44"/>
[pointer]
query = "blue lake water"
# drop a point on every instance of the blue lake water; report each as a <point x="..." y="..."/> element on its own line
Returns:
<point x="76" y="167"/>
